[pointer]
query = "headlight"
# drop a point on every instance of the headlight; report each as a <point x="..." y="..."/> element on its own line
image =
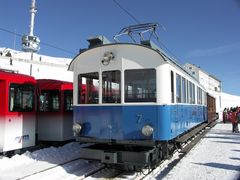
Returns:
<point x="77" y="128"/>
<point x="147" y="130"/>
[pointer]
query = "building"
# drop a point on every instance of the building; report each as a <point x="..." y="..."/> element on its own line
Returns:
<point x="36" y="65"/>
<point x="209" y="82"/>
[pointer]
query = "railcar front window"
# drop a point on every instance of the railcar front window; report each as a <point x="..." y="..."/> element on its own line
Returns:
<point x="21" y="98"/>
<point x="68" y="100"/>
<point x="111" y="89"/>
<point x="88" y="88"/>
<point x="49" y="100"/>
<point x="140" y="85"/>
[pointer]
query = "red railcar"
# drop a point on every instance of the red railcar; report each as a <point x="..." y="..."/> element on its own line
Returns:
<point x="17" y="111"/>
<point x="54" y="115"/>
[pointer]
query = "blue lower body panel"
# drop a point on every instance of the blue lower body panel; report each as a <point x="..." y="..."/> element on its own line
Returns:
<point x="126" y="122"/>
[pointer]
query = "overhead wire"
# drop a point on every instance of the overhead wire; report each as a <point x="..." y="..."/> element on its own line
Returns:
<point x="126" y="11"/>
<point x="43" y="43"/>
<point x="137" y="21"/>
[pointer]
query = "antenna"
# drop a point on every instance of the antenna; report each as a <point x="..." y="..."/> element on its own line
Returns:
<point x="33" y="11"/>
<point x="30" y="43"/>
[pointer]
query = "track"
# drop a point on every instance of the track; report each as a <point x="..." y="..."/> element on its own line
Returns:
<point x="165" y="166"/>
<point x="76" y="168"/>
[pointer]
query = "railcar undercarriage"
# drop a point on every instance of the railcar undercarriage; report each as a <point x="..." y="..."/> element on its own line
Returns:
<point x="136" y="157"/>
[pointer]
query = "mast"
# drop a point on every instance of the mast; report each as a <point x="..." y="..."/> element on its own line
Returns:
<point x="33" y="11"/>
<point x="30" y="43"/>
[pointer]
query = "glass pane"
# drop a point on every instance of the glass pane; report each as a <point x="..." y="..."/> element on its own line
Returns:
<point x="199" y="96"/>
<point x="21" y="98"/>
<point x="193" y="93"/>
<point x="68" y="100"/>
<point x="187" y="91"/>
<point x="49" y="100"/>
<point x="140" y="85"/>
<point x="111" y="81"/>
<point x="183" y="90"/>
<point x="27" y="100"/>
<point x="172" y="86"/>
<point x="88" y="88"/>
<point x="178" y="88"/>
<point x="190" y="93"/>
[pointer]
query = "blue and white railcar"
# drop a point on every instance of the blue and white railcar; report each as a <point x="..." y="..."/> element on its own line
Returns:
<point x="132" y="94"/>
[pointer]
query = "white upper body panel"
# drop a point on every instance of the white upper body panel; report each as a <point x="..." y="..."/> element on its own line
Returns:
<point x="129" y="56"/>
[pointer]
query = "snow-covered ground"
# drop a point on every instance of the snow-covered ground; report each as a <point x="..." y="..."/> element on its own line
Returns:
<point x="22" y="166"/>
<point x="216" y="156"/>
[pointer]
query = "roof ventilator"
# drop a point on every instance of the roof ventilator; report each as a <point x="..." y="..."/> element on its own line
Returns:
<point x="97" y="41"/>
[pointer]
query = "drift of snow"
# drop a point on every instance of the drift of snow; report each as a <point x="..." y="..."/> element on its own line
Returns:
<point x="24" y="165"/>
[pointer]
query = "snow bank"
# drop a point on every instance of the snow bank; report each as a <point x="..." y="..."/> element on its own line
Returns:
<point x="229" y="100"/>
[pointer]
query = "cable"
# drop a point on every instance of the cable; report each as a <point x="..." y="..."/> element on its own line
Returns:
<point x="136" y="20"/>
<point x="58" y="48"/>
<point x="119" y="5"/>
<point x="43" y="43"/>
<point x="10" y="32"/>
<point x="167" y="49"/>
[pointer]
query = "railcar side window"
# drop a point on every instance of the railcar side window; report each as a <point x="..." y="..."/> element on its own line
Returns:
<point x="68" y="100"/>
<point x="187" y="92"/>
<point x="178" y="88"/>
<point x="172" y="86"/>
<point x="193" y="93"/>
<point x="205" y="98"/>
<point x="183" y="90"/>
<point x="21" y="98"/>
<point x="140" y="85"/>
<point x="111" y="89"/>
<point x="49" y="100"/>
<point x="191" y="90"/>
<point x="88" y="88"/>
<point x="199" y="96"/>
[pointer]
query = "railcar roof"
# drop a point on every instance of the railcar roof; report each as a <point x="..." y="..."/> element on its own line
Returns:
<point x="16" y="77"/>
<point x="155" y="48"/>
<point x="50" y="84"/>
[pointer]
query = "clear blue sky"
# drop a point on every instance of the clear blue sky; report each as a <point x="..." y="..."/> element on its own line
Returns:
<point x="205" y="33"/>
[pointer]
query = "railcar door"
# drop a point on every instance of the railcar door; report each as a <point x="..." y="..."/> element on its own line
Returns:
<point x="3" y="100"/>
<point x="20" y="119"/>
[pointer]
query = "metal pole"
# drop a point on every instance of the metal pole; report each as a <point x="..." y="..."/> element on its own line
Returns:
<point x="33" y="11"/>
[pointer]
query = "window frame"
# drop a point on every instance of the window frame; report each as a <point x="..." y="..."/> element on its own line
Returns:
<point x="178" y="88"/>
<point x="51" y="103"/>
<point x="147" y="87"/>
<point x="116" y="97"/>
<point x="67" y="93"/>
<point x="21" y="87"/>
<point x="96" y="97"/>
